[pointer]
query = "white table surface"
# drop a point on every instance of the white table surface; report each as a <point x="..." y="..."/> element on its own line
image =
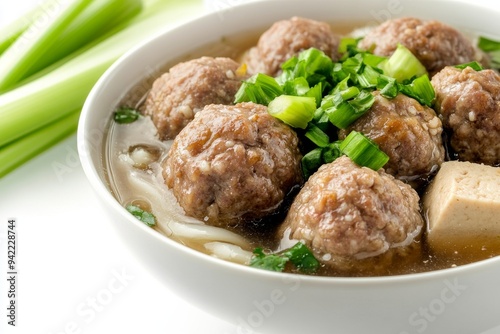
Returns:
<point x="74" y="274"/>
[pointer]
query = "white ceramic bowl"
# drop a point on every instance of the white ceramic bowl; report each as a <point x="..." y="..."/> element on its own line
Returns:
<point x="459" y="300"/>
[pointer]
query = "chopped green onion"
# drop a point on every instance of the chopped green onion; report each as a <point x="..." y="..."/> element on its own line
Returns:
<point x="363" y="151"/>
<point x="420" y="89"/>
<point x="473" y="64"/>
<point x="492" y="49"/>
<point x="372" y="60"/>
<point x="299" y="255"/>
<point x="368" y="77"/>
<point x="259" y="88"/>
<point x="487" y="44"/>
<point x="311" y="161"/>
<point x="144" y="216"/>
<point x="346" y="112"/>
<point x="331" y="152"/>
<point x="347" y="43"/>
<point x="342" y="115"/>
<point x="316" y="135"/>
<point x="353" y="65"/>
<point x="317" y="92"/>
<point x="297" y="86"/>
<point x="125" y="115"/>
<point x="362" y="102"/>
<point x="403" y="65"/>
<point x="295" y="111"/>
<point x="312" y="64"/>
<point x="316" y="61"/>
<point x="388" y="86"/>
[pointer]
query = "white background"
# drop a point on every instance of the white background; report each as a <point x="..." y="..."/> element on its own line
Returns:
<point x="75" y="276"/>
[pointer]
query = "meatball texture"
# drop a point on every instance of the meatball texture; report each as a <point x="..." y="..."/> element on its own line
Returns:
<point x="409" y="133"/>
<point x="287" y="38"/>
<point x="468" y="102"/>
<point x="435" y="44"/>
<point x="189" y="86"/>
<point x="233" y="164"/>
<point x="354" y="218"/>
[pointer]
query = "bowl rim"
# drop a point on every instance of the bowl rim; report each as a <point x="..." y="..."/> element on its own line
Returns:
<point x="89" y="168"/>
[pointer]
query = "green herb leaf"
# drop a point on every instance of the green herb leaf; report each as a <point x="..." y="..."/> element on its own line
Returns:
<point x="299" y="255"/>
<point x="302" y="258"/>
<point x="144" y="216"/>
<point x="270" y="262"/>
<point x="125" y="115"/>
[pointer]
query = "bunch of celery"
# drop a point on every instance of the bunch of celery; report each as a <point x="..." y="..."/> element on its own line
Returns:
<point x="52" y="56"/>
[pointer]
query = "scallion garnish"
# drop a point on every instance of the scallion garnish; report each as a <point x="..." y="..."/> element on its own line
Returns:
<point x="346" y="112"/>
<point x="342" y="92"/>
<point x="420" y="89"/>
<point x="259" y="88"/>
<point x="492" y="49"/>
<point x="473" y="64"/>
<point x="363" y="151"/>
<point x="144" y="216"/>
<point x="311" y="161"/>
<point x="125" y="115"/>
<point x="487" y="44"/>
<point x="296" y="111"/>
<point x="316" y="135"/>
<point x="403" y="65"/>
<point x="299" y="256"/>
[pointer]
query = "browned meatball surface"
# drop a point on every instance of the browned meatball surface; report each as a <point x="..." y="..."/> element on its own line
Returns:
<point x="287" y="38"/>
<point x="409" y="133"/>
<point x="468" y="102"/>
<point x="348" y="214"/>
<point x="232" y="164"/>
<point x="434" y="43"/>
<point x="189" y="86"/>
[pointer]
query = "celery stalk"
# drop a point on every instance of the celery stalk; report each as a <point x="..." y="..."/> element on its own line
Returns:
<point x="59" y="92"/>
<point x="36" y="41"/>
<point x="26" y="147"/>
<point x="13" y="30"/>
<point x="98" y="18"/>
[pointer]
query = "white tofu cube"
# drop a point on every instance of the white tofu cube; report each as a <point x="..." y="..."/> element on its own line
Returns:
<point x="462" y="206"/>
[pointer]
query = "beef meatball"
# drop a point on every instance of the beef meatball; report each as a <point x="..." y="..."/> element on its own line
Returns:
<point x="355" y="219"/>
<point x="468" y="102"/>
<point x="233" y="164"/>
<point x="409" y="133"/>
<point x="433" y="43"/>
<point x="189" y="86"/>
<point x="287" y="38"/>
